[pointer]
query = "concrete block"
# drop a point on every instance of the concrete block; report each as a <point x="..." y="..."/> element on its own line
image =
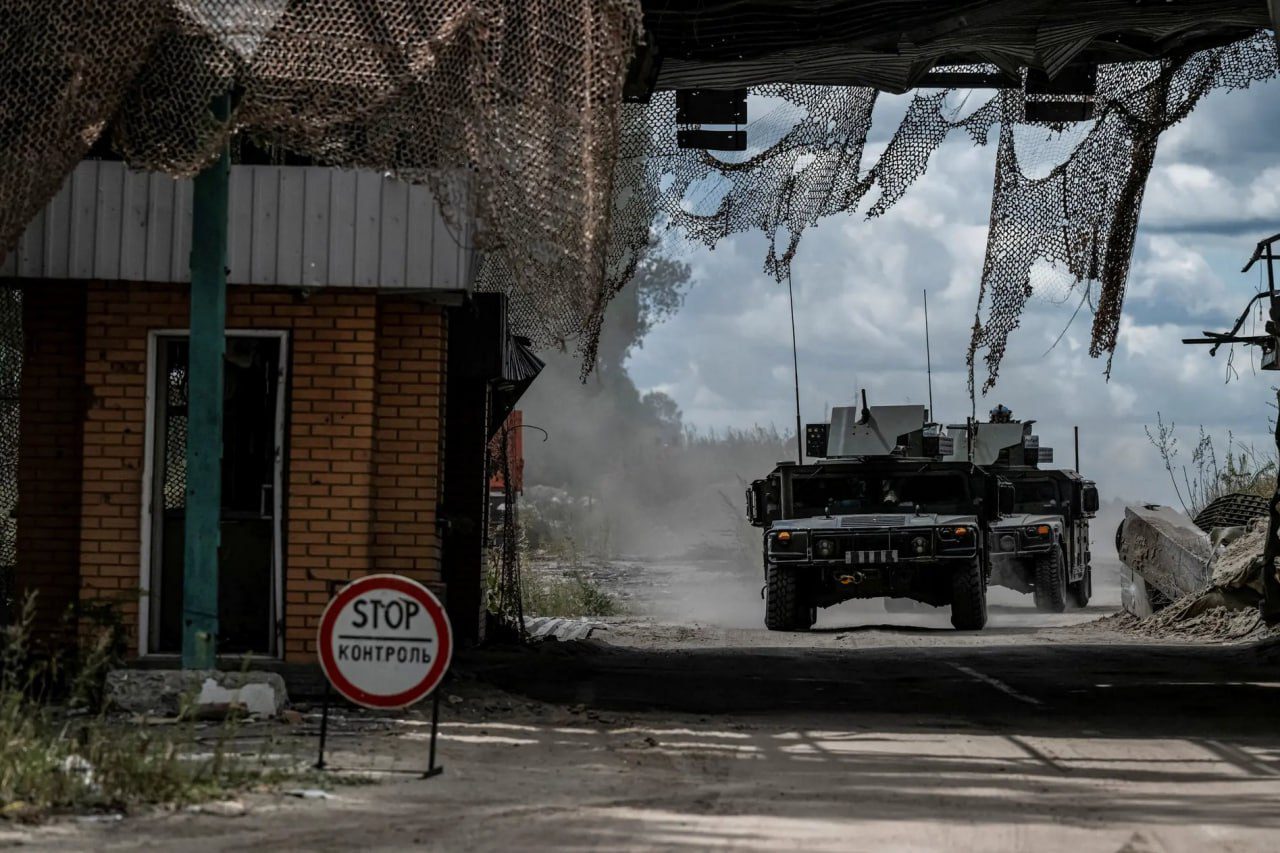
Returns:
<point x="168" y="692"/>
<point x="1165" y="549"/>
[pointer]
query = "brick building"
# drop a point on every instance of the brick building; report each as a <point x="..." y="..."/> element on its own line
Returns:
<point x="363" y="382"/>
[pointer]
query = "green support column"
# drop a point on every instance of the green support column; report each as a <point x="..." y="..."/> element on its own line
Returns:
<point x="204" y="410"/>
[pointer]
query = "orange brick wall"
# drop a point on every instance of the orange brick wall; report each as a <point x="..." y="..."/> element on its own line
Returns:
<point x="363" y="437"/>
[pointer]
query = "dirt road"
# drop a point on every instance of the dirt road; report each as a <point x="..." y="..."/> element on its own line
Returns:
<point x="874" y="733"/>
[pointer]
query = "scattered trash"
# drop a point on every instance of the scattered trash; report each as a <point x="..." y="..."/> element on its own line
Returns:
<point x="292" y="717"/>
<point x="309" y="794"/>
<point x="79" y="767"/>
<point x="455" y="699"/>
<point x="221" y="808"/>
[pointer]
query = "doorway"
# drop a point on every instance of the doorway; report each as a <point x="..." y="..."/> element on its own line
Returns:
<point x="250" y="557"/>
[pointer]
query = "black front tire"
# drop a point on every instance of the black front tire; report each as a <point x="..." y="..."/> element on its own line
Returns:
<point x="969" y="598"/>
<point x="786" y="607"/>
<point x="1051" y="582"/>
<point x="1082" y="590"/>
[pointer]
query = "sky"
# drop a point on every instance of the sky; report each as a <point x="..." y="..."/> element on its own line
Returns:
<point x="725" y="358"/>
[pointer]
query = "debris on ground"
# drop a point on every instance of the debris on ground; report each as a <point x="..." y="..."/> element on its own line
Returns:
<point x="309" y="794"/>
<point x="1225" y="608"/>
<point x="559" y="628"/>
<point x="1238" y="564"/>
<point x="220" y="808"/>
<point x="195" y="693"/>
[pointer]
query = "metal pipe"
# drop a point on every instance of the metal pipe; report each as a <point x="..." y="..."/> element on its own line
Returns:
<point x="204" y="406"/>
<point x="1077" y="450"/>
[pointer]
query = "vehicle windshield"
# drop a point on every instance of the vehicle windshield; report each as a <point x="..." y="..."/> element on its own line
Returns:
<point x="931" y="492"/>
<point x="1036" y="496"/>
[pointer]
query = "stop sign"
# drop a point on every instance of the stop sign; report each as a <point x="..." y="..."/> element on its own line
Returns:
<point x="385" y="641"/>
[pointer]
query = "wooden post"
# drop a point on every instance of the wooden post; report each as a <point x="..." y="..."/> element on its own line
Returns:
<point x="204" y="408"/>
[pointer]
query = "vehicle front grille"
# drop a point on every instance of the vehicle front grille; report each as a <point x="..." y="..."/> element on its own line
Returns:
<point x="873" y="521"/>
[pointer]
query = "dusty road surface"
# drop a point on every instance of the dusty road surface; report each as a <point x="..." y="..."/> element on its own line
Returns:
<point x="876" y="732"/>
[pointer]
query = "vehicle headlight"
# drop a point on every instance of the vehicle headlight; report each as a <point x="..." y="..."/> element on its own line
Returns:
<point x="1039" y="531"/>
<point x="825" y="548"/>
<point x="920" y="545"/>
<point x="1008" y="543"/>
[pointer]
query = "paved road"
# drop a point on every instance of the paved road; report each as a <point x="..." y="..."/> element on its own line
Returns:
<point x="868" y="736"/>
<point x="1014" y="679"/>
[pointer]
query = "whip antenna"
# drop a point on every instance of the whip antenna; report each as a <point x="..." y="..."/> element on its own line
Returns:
<point x="795" y="366"/>
<point x="928" y="356"/>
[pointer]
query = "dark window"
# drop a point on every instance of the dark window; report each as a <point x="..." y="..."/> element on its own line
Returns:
<point x="1037" y="496"/>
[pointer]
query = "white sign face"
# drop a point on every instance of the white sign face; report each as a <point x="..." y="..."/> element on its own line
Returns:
<point x="385" y="641"/>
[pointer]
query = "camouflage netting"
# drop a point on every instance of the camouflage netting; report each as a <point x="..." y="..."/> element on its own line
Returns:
<point x="510" y="110"/>
<point x="1065" y="205"/>
<point x="507" y="108"/>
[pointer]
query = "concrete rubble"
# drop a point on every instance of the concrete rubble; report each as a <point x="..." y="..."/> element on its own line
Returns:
<point x="196" y="693"/>
<point x="1183" y="583"/>
<point x="1165" y="550"/>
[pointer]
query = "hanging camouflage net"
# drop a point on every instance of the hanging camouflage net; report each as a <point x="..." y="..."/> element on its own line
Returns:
<point x="507" y="108"/>
<point x="1083" y="215"/>
<point x="510" y="110"/>
<point x="1056" y="227"/>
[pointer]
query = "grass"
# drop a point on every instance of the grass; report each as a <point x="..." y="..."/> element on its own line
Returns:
<point x="59" y="758"/>
<point x="1245" y="470"/>
<point x="571" y="595"/>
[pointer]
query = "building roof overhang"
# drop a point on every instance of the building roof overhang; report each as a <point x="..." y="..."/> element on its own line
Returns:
<point x="894" y="45"/>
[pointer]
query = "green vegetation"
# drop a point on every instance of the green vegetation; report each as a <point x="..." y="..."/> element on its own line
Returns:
<point x="550" y="590"/>
<point x="571" y="595"/>
<point x="68" y="756"/>
<point x="1242" y="469"/>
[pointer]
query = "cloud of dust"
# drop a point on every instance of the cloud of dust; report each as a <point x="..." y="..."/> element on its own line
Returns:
<point x="620" y="481"/>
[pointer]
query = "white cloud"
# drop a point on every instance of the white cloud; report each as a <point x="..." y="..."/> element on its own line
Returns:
<point x="726" y="357"/>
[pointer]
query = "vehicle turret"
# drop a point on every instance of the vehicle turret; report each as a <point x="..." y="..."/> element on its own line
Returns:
<point x="877" y="431"/>
<point x="1002" y="442"/>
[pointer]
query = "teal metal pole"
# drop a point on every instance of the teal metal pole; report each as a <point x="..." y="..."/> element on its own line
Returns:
<point x="204" y="409"/>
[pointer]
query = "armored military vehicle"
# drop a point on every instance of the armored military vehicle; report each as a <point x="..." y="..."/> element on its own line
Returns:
<point x="1043" y="546"/>
<point x="877" y="514"/>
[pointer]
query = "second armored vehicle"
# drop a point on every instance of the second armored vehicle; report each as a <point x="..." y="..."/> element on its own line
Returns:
<point x="1042" y="547"/>
<point x="879" y="515"/>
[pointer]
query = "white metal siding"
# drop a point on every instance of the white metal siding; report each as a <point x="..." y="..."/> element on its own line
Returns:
<point x="301" y="226"/>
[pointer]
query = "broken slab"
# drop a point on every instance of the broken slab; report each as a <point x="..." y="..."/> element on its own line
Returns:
<point x="1239" y="561"/>
<point x="170" y="692"/>
<point x="1165" y="549"/>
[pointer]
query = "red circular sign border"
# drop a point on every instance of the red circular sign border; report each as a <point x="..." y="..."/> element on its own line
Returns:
<point x="434" y="609"/>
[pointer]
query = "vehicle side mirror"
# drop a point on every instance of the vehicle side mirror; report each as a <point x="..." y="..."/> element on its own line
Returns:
<point x="1008" y="498"/>
<point x="756" y="503"/>
<point x="1089" y="499"/>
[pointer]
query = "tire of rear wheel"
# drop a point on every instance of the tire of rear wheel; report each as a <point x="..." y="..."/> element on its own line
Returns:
<point x="785" y="607"/>
<point x="1082" y="590"/>
<point x="969" y="598"/>
<point x="1051" y="583"/>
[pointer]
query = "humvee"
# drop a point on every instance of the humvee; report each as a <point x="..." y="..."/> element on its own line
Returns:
<point x="877" y="514"/>
<point x="1043" y="546"/>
